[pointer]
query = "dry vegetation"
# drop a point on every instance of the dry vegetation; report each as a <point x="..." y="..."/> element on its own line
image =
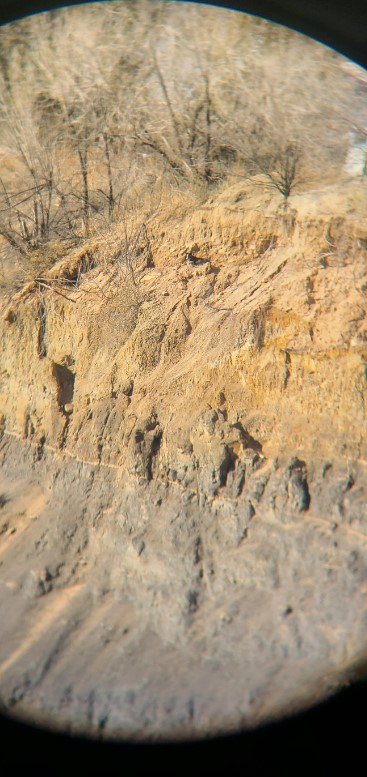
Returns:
<point x="106" y="108"/>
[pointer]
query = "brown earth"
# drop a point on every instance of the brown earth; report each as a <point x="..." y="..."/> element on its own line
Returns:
<point x="183" y="523"/>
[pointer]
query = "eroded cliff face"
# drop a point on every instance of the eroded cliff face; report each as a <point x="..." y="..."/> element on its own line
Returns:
<point x="196" y="439"/>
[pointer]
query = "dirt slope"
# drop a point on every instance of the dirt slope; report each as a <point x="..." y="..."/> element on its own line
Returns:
<point x="184" y="449"/>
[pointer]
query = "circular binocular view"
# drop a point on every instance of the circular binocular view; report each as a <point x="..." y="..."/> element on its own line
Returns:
<point x="183" y="483"/>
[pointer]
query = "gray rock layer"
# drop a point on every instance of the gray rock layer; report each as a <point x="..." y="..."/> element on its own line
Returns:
<point x="170" y="607"/>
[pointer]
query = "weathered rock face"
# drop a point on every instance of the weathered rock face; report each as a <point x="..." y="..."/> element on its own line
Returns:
<point x="194" y="440"/>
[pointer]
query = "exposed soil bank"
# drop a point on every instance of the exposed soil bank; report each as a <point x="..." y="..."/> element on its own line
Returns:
<point x="183" y="522"/>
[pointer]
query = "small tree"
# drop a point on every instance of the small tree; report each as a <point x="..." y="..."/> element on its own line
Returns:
<point x="282" y="170"/>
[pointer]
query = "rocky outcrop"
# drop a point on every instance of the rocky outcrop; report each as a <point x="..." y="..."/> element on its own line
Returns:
<point x="196" y="439"/>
